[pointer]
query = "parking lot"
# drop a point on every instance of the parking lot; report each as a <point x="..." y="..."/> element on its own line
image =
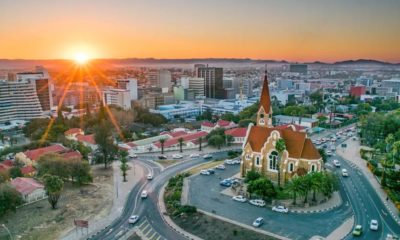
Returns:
<point x="205" y="193"/>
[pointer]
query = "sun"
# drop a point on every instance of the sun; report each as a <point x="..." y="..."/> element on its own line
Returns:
<point x="81" y="58"/>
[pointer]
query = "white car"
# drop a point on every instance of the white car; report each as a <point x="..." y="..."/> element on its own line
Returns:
<point x="133" y="219"/>
<point x="229" y="162"/>
<point x="329" y="153"/>
<point x="373" y="225"/>
<point x="177" y="156"/>
<point x="221" y="167"/>
<point x="144" y="194"/>
<point x="345" y="173"/>
<point x="194" y="155"/>
<point x="280" y="209"/>
<point x="132" y="155"/>
<point x="258" y="222"/>
<point x="149" y="176"/>
<point x="257" y="202"/>
<point x="204" y="172"/>
<point x="239" y="198"/>
<point x="336" y="163"/>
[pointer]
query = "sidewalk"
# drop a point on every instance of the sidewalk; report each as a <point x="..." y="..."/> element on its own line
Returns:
<point x="187" y="152"/>
<point x="121" y="191"/>
<point x="352" y="154"/>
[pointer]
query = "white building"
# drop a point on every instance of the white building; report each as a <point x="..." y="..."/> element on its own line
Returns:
<point x="160" y="78"/>
<point x="130" y="84"/>
<point x="30" y="189"/>
<point x="118" y="97"/>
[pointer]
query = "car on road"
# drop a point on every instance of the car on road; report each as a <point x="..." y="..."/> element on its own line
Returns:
<point x="392" y="237"/>
<point x="257" y="202"/>
<point x="336" y="163"/>
<point x="357" y="231"/>
<point x="211" y="171"/>
<point x="132" y="155"/>
<point x="345" y="173"/>
<point x="162" y="157"/>
<point x="177" y="156"/>
<point x="194" y="155"/>
<point x="207" y="156"/>
<point x="204" y="172"/>
<point x="258" y="222"/>
<point x="237" y="161"/>
<point x="329" y="153"/>
<point x="281" y="209"/>
<point x="149" y="176"/>
<point x="221" y="167"/>
<point x="239" y="198"/>
<point x="144" y="194"/>
<point x="225" y="183"/>
<point x="373" y="225"/>
<point x="133" y="219"/>
<point x="229" y="162"/>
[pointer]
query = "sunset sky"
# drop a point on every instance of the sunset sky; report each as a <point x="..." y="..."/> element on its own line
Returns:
<point x="295" y="30"/>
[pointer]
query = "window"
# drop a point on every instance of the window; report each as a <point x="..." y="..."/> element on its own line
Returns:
<point x="262" y="122"/>
<point x="248" y="157"/>
<point x="291" y="167"/>
<point x="273" y="161"/>
<point x="313" y="168"/>
<point x="257" y="161"/>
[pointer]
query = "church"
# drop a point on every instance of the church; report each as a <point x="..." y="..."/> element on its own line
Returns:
<point x="259" y="153"/>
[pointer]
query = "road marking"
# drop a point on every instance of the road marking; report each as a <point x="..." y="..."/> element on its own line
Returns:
<point x="151" y="237"/>
<point x="142" y="223"/>
<point x="146" y="227"/>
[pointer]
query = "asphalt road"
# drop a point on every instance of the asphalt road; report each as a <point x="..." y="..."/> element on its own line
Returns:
<point x="147" y="209"/>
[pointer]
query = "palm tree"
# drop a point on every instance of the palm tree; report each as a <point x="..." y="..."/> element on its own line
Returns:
<point x="316" y="183"/>
<point x="162" y="141"/>
<point x="280" y="146"/>
<point x="180" y="140"/>
<point x="200" y="142"/>
<point x="294" y="187"/>
<point x="306" y="186"/>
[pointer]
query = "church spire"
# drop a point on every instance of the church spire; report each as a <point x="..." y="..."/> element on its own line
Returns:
<point x="264" y="115"/>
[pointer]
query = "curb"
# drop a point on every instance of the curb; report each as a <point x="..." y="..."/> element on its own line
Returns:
<point x="320" y="210"/>
<point x="168" y="220"/>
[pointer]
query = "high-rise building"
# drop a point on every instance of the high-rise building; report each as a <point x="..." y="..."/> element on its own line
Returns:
<point x="129" y="84"/>
<point x="118" y="97"/>
<point x="160" y="78"/>
<point x="197" y="86"/>
<point x="213" y="81"/>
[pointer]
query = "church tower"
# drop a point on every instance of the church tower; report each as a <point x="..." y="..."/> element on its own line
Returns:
<point x="264" y="114"/>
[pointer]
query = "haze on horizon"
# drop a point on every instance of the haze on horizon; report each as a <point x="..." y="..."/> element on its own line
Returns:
<point x="291" y="30"/>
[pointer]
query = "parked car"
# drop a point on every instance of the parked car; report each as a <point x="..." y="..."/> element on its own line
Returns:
<point x="194" y="155"/>
<point x="373" y="225"/>
<point x="280" y="209"/>
<point x="229" y="162"/>
<point x="211" y="171"/>
<point x="177" y="156"/>
<point x="236" y="161"/>
<point x="207" y="156"/>
<point x="149" y="176"/>
<point x="133" y="219"/>
<point x="221" y="167"/>
<point x="132" y="155"/>
<point x="345" y="173"/>
<point x="257" y="202"/>
<point x="336" y="163"/>
<point x="144" y="194"/>
<point x="258" y="222"/>
<point x="225" y="183"/>
<point x="357" y="230"/>
<point x="239" y="198"/>
<point x="162" y="157"/>
<point x="204" y="172"/>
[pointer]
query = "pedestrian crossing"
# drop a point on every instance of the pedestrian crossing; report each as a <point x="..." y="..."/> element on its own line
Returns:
<point x="147" y="232"/>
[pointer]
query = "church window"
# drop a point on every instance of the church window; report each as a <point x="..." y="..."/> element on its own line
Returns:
<point x="291" y="167"/>
<point x="273" y="160"/>
<point x="257" y="161"/>
<point x="313" y="168"/>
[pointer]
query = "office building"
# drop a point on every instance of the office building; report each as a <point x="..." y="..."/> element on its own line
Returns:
<point x="392" y="83"/>
<point x="197" y="85"/>
<point x="213" y="78"/>
<point x="117" y="97"/>
<point x="160" y="78"/>
<point x="129" y="84"/>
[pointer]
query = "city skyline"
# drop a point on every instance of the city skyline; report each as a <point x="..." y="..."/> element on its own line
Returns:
<point x="286" y="30"/>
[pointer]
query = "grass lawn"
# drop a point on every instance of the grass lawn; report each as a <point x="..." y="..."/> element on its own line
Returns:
<point x="210" y="228"/>
<point x="206" y="165"/>
<point x="167" y="163"/>
<point x="39" y="221"/>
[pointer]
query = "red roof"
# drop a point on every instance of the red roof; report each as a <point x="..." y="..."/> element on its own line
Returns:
<point x="207" y="124"/>
<point x="37" y="153"/>
<point x="187" y="138"/>
<point x="8" y="162"/>
<point x="72" y="154"/>
<point x="25" y="185"/>
<point x="86" y="138"/>
<point x="73" y="131"/>
<point x="296" y="127"/>
<point x="236" y="132"/>
<point x="223" y="123"/>
<point x="131" y="144"/>
<point x="28" y="170"/>
<point x="177" y="134"/>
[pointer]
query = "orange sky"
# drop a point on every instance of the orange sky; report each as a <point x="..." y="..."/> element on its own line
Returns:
<point x="261" y="29"/>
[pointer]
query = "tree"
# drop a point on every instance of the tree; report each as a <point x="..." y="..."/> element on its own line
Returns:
<point x="295" y="187"/>
<point x="363" y="109"/>
<point x="329" y="184"/>
<point x="262" y="187"/>
<point x="180" y="140"/>
<point x="322" y="119"/>
<point x="229" y="139"/>
<point x="124" y="165"/>
<point x="323" y="154"/>
<point x="216" y="141"/>
<point x="53" y="164"/>
<point x="79" y="171"/>
<point x="280" y="146"/>
<point x="54" y="186"/>
<point x="316" y="179"/>
<point x="200" y="142"/>
<point x="10" y="199"/>
<point x="305" y="186"/>
<point x="251" y="176"/>
<point x="15" y="172"/>
<point x="106" y="148"/>
<point x="162" y="141"/>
